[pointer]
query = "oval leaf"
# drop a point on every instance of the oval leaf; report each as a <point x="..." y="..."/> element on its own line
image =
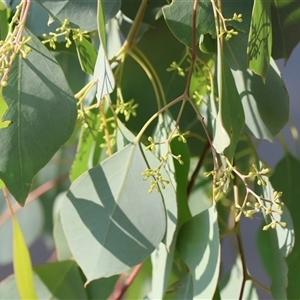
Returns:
<point x="266" y="105"/>
<point x="178" y="16"/>
<point x="110" y="220"/>
<point x="42" y="112"/>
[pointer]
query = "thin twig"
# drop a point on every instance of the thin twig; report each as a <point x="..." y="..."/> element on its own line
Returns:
<point x="32" y="196"/>
<point x="197" y="169"/>
<point x="119" y="290"/>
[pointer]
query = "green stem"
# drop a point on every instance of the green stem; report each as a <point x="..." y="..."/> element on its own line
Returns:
<point x="138" y="137"/>
<point x="131" y="38"/>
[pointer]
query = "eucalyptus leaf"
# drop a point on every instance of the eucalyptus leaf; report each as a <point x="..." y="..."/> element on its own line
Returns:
<point x="199" y="246"/>
<point x="178" y="16"/>
<point x="281" y="241"/>
<point x="22" y="264"/>
<point x="103" y="75"/>
<point x="260" y="38"/>
<point x="182" y="289"/>
<point x="285" y="23"/>
<point x="87" y="55"/>
<point x="266" y="105"/>
<point x="231" y="119"/>
<point x="285" y="179"/>
<point x="110" y="220"/>
<point x="42" y="118"/>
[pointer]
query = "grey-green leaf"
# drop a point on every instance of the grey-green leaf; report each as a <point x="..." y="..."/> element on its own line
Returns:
<point x="110" y="220"/>
<point x="260" y="38"/>
<point x="178" y="16"/>
<point x="231" y="119"/>
<point x="199" y="246"/>
<point x="266" y="105"/>
<point x="42" y="112"/>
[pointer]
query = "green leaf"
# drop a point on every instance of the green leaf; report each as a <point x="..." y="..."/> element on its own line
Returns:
<point x="82" y="14"/>
<point x="231" y="119"/>
<point x="182" y="289"/>
<point x="87" y="55"/>
<point x="260" y="38"/>
<point x="162" y="260"/>
<point x="178" y="16"/>
<point x="103" y="75"/>
<point x="3" y="109"/>
<point x="22" y="264"/>
<point x="199" y="246"/>
<point x="181" y="175"/>
<point x="89" y="142"/>
<point x="266" y="106"/>
<point x="153" y="10"/>
<point x="110" y="220"/>
<point x="42" y="112"/>
<point x="61" y="244"/>
<point x="285" y="179"/>
<point x="52" y="281"/>
<point x="285" y="23"/>
<point x="281" y="241"/>
<point x="161" y="134"/>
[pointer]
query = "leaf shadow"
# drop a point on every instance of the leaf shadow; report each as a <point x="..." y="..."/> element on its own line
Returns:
<point x="109" y="223"/>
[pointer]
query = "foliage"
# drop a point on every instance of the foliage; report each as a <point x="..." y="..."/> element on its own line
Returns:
<point x="132" y="126"/>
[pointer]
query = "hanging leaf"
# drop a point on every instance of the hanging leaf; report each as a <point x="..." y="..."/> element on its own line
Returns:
<point x="260" y="38"/>
<point x="162" y="260"/>
<point x="42" y="112"/>
<point x="266" y="105"/>
<point x="110" y="220"/>
<point x="30" y="219"/>
<point x="281" y="241"/>
<point x="199" y="246"/>
<point x="3" y="109"/>
<point x="182" y="289"/>
<point x="285" y="23"/>
<point x="103" y="75"/>
<point x="178" y="16"/>
<point x="89" y="143"/>
<point x="152" y="13"/>
<point x="290" y="188"/>
<point x="87" y="55"/>
<point x="161" y="133"/>
<point x="231" y="119"/>
<point x="22" y="264"/>
<point x="80" y="13"/>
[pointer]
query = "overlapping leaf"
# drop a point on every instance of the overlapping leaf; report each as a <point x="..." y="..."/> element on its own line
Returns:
<point x="110" y="220"/>
<point x="266" y="105"/>
<point x="178" y="16"/>
<point x="260" y="38"/>
<point x="80" y="13"/>
<point x="286" y="26"/>
<point x="285" y="179"/>
<point x="103" y="75"/>
<point x="231" y="119"/>
<point x="42" y="112"/>
<point x="199" y="247"/>
<point x="280" y="243"/>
